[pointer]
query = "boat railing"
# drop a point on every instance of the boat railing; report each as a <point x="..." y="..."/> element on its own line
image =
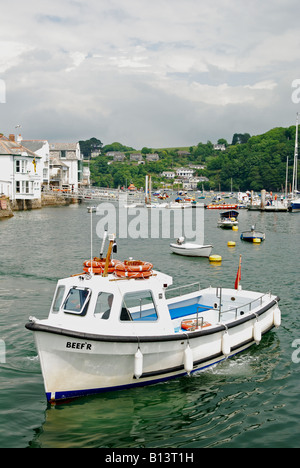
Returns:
<point x="195" y="286"/>
<point x="242" y="309"/>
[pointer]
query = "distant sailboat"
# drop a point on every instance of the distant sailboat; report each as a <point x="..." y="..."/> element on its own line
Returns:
<point x="294" y="205"/>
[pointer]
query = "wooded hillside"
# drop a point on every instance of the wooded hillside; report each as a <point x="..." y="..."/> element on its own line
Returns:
<point x="251" y="163"/>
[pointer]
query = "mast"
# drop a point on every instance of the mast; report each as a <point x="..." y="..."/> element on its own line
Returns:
<point x="146" y="190"/>
<point x="295" y="171"/>
<point x="286" y="177"/>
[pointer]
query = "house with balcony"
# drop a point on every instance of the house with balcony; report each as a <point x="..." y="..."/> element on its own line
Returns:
<point x="21" y="173"/>
<point x="66" y="166"/>
<point x="184" y="173"/>
<point x="42" y="149"/>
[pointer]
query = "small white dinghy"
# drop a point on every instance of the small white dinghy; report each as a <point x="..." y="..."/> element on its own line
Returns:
<point x="189" y="249"/>
<point x="113" y="327"/>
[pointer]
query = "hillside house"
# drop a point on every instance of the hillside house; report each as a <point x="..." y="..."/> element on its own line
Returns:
<point x="168" y="174"/>
<point x="184" y="173"/>
<point x="136" y="157"/>
<point x="152" y="157"/>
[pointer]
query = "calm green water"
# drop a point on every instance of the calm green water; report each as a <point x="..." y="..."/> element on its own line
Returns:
<point x="249" y="401"/>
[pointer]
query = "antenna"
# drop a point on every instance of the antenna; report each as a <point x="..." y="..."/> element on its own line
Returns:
<point x="103" y="242"/>
<point x="91" y="241"/>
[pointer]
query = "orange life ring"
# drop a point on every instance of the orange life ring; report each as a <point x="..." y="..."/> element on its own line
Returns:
<point x="192" y="324"/>
<point x="134" y="266"/>
<point x="137" y="274"/>
<point x="134" y="269"/>
<point x="98" y="264"/>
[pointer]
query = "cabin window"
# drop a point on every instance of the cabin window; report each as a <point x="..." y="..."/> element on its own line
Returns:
<point x="58" y="299"/>
<point x="77" y="301"/>
<point x="103" y="305"/>
<point x="138" y="306"/>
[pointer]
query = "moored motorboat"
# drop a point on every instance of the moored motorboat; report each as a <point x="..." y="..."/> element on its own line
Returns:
<point x="294" y="205"/>
<point x="228" y="219"/>
<point x="250" y="236"/>
<point x="190" y="249"/>
<point x="117" y="328"/>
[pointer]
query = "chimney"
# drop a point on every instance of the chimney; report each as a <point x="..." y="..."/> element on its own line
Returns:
<point x="19" y="138"/>
<point x="11" y="137"/>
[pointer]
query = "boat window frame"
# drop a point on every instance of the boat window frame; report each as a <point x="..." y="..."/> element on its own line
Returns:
<point x="131" y="319"/>
<point x="84" y="307"/>
<point x="61" y="287"/>
<point x="100" y="315"/>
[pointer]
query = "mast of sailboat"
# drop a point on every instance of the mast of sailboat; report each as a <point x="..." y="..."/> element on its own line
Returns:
<point x="146" y="190"/>
<point x="295" y="171"/>
<point x="286" y="177"/>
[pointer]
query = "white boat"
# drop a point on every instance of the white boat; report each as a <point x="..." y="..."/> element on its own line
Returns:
<point x="117" y="329"/>
<point x="189" y="249"/>
<point x="92" y="209"/>
<point x="157" y="205"/>
<point x="228" y="219"/>
<point x="179" y="205"/>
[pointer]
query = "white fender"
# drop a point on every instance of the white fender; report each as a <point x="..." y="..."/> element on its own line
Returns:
<point x="277" y="317"/>
<point x="257" y="332"/>
<point x="226" y="348"/>
<point x="188" y="359"/>
<point x="138" y="364"/>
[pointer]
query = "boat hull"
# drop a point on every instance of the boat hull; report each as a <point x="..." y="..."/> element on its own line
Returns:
<point x="249" y="236"/>
<point x="76" y="364"/>
<point x="227" y="224"/>
<point x="191" y="251"/>
<point x="295" y="206"/>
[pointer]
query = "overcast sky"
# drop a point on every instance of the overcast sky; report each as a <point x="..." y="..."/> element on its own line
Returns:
<point x="148" y="73"/>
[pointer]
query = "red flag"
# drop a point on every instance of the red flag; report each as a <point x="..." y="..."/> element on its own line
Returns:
<point x="239" y="275"/>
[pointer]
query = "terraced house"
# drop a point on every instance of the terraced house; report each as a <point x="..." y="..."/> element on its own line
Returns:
<point x="66" y="165"/>
<point x="21" y="173"/>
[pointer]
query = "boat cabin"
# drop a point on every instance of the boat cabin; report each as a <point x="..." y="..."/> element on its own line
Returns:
<point x="117" y="306"/>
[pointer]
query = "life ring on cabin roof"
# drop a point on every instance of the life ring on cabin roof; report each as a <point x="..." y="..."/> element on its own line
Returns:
<point x="97" y="266"/>
<point x="131" y="274"/>
<point x="134" y="269"/>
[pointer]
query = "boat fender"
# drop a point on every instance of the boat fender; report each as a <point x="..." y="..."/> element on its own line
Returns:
<point x="277" y="317"/>
<point x="138" y="364"/>
<point x="226" y="344"/>
<point x="257" y="332"/>
<point x="188" y="359"/>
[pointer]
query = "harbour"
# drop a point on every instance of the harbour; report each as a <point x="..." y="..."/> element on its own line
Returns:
<point x="247" y="401"/>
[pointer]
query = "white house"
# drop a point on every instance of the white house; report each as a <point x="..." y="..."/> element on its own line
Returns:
<point x="192" y="183"/>
<point x="168" y="174"/>
<point x="66" y="165"/>
<point x="21" y="171"/>
<point x="185" y="173"/>
<point x="220" y="147"/>
<point x="42" y="149"/>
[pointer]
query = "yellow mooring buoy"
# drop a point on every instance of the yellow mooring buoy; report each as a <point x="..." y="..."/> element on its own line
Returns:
<point x="215" y="258"/>
<point x="231" y="244"/>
